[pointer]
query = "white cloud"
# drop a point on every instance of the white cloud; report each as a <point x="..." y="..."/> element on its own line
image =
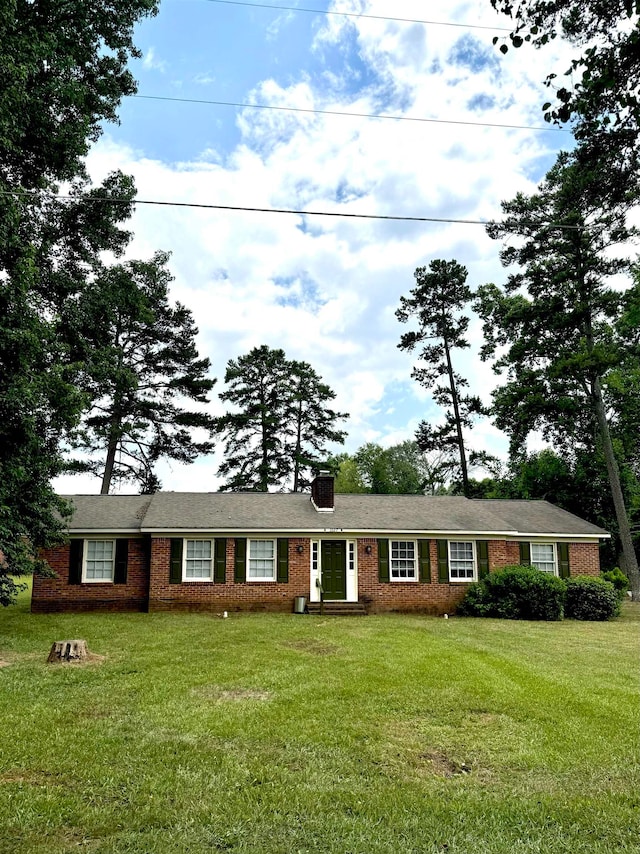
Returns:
<point x="326" y="289"/>
<point x="150" y="61"/>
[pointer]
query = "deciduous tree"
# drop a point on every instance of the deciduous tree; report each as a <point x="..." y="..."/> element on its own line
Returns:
<point x="63" y="73"/>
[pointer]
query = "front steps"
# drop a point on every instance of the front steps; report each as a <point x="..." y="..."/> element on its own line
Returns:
<point x="338" y="609"/>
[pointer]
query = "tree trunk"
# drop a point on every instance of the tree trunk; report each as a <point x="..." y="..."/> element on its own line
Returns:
<point x="109" y="462"/>
<point x="456" y="415"/>
<point x="68" y="651"/>
<point x="630" y="568"/>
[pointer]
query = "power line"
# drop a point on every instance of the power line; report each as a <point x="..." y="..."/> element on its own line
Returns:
<point x="394" y="118"/>
<point x="200" y="205"/>
<point x="360" y="15"/>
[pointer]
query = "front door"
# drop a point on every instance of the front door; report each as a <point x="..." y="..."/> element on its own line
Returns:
<point x="334" y="569"/>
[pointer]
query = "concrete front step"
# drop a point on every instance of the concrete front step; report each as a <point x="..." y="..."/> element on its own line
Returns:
<point x="338" y="609"/>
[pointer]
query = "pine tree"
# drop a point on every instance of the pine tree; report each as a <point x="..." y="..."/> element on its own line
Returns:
<point x="554" y="326"/>
<point x="141" y="366"/>
<point x="282" y="424"/>
<point x="437" y="302"/>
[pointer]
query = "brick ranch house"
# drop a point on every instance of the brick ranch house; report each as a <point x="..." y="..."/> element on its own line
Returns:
<point x="258" y="551"/>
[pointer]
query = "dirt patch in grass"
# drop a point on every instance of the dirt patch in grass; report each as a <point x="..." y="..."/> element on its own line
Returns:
<point x="34" y="778"/>
<point x="4" y="663"/>
<point x="215" y="693"/>
<point x="312" y="646"/>
<point x="443" y="765"/>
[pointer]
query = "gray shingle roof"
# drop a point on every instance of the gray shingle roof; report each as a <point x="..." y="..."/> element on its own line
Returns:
<point x="288" y="513"/>
<point x="107" y="512"/>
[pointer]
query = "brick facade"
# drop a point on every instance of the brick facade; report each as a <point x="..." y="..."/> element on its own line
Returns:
<point x="148" y="585"/>
<point x="56" y="594"/>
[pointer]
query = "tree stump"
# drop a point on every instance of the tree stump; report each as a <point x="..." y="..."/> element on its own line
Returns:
<point x="68" y="651"/>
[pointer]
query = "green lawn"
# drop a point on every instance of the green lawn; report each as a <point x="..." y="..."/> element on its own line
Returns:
<point x="289" y="733"/>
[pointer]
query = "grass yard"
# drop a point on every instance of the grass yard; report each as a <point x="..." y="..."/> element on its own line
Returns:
<point x="283" y="733"/>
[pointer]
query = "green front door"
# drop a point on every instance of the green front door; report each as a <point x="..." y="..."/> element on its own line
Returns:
<point x="334" y="569"/>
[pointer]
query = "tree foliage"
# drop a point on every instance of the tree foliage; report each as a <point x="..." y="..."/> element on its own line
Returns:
<point x="400" y="469"/>
<point x="140" y="366"/>
<point x="553" y="327"/>
<point x="437" y="303"/>
<point x="602" y="84"/>
<point x="281" y="425"/>
<point x="63" y="73"/>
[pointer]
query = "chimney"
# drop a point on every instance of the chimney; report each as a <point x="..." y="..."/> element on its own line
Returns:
<point x="322" y="492"/>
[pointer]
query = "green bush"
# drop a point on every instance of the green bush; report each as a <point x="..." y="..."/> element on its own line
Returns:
<point x="515" y="593"/>
<point x="591" y="599"/>
<point x="619" y="580"/>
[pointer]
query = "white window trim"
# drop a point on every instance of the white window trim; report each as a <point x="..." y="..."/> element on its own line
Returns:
<point x="85" y="552"/>
<point x="185" y="578"/>
<point x="275" y="560"/>
<point x="416" y="562"/>
<point x="556" y="567"/>
<point x="475" y="563"/>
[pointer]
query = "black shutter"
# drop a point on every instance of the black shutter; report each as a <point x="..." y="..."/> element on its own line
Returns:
<point x="563" y="560"/>
<point x="122" y="559"/>
<point x="76" y="549"/>
<point x="240" y="573"/>
<point x="220" y="561"/>
<point x="383" y="560"/>
<point x="525" y="554"/>
<point x="482" y="551"/>
<point x="443" y="561"/>
<point x="175" y="562"/>
<point x="283" y="561"/>
<point x="425" y="560"/>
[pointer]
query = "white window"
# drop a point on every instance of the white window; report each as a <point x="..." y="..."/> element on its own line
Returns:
<point x="352" y="556"/>
<point x="462" y="564"/>
<point x="403" y="560"/>
<point x="261" y="564"/>
<point x="99" y="560"/>
<point x="198" y="560"/>
<point x="314" y="556"/>
<point x="543" y="556"/>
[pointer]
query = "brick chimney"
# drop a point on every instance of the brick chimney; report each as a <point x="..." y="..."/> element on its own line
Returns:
<point x="322" y="492"/>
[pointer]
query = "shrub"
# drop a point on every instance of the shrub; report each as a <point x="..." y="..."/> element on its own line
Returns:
<point x="516" y="593"/>
<point x="619" y="580"/>
<point x="591" y="599"/>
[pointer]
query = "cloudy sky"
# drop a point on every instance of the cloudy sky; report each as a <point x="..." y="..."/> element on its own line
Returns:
<point x="325" y="289"/>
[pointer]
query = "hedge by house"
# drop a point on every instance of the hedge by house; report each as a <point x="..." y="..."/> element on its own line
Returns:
<point x="526" y="593"/>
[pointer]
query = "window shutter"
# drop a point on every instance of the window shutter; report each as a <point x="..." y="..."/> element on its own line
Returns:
<point x="220" y="560"/>
<point x="283" y="561"/>
<point x="383" y="560"/>
<point x="482" y="551"/>
<point x="175" y="562"/>
<point x="443" y="561"/>
<point x="525" y="554"/>
<point x="425" y="561"/>
<point x="563" y="560"/>
<point x="122" y="559"/>
<point x="76" y="548"/>
<point x="240" y="573"/>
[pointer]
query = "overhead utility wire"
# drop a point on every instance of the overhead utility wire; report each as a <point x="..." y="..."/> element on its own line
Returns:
<point x="350" y="114"/>
<point x="122" y="201"/>
<point x="359" y="15"/>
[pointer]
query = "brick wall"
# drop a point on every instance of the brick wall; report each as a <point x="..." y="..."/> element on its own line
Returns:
<point x="56" y="594"/>
<point x="408" y="596"/>
<point x="212" y="596"/>
<point x="584" y="559"/>
<point x="156" y="593"/>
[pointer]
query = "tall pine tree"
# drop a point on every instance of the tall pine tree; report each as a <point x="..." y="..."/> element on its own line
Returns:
<point x="140" y="369"/>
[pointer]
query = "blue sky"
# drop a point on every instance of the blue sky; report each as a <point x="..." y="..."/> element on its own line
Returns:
<point x="326" y="289"/>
